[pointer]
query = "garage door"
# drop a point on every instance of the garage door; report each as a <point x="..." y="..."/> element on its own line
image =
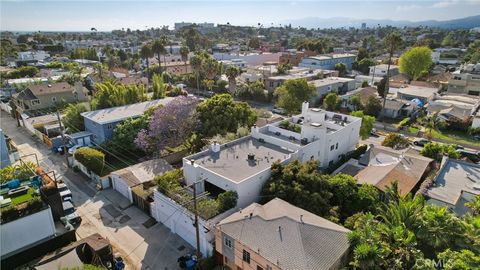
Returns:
<point x="185" y="229"/>
<point x="120" y="186"/>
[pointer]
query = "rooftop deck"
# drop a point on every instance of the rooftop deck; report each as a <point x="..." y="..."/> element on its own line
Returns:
<point x="232" y="160"/>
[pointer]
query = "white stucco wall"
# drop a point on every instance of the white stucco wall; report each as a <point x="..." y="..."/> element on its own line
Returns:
<point x="26" y="231"/>
<point x="180" y="221"/>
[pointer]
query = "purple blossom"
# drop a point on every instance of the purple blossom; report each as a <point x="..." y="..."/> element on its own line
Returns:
<point x="169" y="125"/>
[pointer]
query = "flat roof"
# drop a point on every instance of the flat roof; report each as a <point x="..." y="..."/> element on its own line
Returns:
<point x="453" y="179"/>
<point x="232" y="159"/>
<point x="418" y="91"/>
<point x="115" y="114"/>
<point x="330" y="80"/>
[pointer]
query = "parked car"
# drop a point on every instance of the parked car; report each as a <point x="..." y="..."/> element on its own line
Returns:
<point x="471" y="155"/>
<point x="64" y="191"/>
<point x="71" y="215"/>
<point x="278" y="110"/>
<point x="74" y="148"/>
<point x="476" y="137"/>
<point x="421" y="142"/>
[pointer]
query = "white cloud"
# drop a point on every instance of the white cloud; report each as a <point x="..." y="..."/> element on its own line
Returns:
<point x="445" y="3"/>
<point x="407" y="7"/>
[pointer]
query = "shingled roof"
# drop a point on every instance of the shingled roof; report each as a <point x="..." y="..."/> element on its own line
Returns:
<point x="288" y="236"/>
<point x="386" y="165"/>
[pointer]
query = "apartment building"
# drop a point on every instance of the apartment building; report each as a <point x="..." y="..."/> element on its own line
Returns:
<point x="244" y="165"/>
<point x="328" y="61"/>
<point x="466" y="80"/>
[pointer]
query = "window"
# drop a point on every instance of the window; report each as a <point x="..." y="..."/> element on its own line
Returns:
<point x="54" y="99"/>
<point x="259" y="267"/>
<point x="336" y="146"/>
<point x="35" y="102"/>
<point x="228" y="242"/>
<point x="271" y="83"/>
<point x="110" y="126"/>
<point x="246" y="256"/>
<point x="332" y="147"/>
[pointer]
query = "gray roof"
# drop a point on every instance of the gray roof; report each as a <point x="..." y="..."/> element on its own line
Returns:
<point x="330" y="81"/>
<point x="394" y="104"/>
<point x="288" y="236"/>
<point x="143" y="172"/>
<point x="231" y="161"/>
<point x="25" y="95"/>
<point x="418" y="91"/>
<point x="386" y="165"/>
<point x="454" y="178"/>
<point x="116" y="114"/>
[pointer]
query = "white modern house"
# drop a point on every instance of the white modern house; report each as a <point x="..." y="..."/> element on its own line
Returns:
<point x="244" y="165"/>
<point x="381" y="70"/>
<point x="328" y="61"/>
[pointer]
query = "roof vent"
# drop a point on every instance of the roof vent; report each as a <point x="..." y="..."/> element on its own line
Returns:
<point x="251" y="156"/>
<point x="49" y="85"/>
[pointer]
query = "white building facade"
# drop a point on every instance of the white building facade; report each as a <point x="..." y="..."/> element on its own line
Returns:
<point x="244" y="165"/>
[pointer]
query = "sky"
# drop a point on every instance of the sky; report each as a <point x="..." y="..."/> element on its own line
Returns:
<point x="67" y="15"/>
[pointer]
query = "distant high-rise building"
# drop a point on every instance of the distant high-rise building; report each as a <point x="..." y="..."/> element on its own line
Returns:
<point x="364" y="25"/>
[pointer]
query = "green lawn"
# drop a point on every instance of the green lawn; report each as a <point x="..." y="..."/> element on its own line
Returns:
<point x="413" y="130"/>
<point x="454" y="137"/>
<point x="23" y="198"/>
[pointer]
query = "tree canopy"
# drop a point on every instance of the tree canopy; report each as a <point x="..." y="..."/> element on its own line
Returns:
<point x="416" y="62"/>
<point x="367" y="123"/>
<point x="221" y="114"/>
<point x="332" y="101"/>
<point x="169" y="126"/>
<point x="73" y="120"/>
<point x="292" y="93"/>
<point x="111" y="94"/>
<point x="334" y="197"/>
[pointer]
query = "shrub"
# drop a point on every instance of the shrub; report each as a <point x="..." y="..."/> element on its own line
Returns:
<point x="227" y="200"/>
<point x="403" y="123"/>
<point x="435" y="150"/>
<point x="395" y="141"/>
<point x="207" y="208"/>
<point x="92" y="159"/>
<point x="23" y="172"/>
<point x="169" y="181"/>
<point x="285" y="124"/>
<point x="364" y="83"/>
<point x="474" y="131"/>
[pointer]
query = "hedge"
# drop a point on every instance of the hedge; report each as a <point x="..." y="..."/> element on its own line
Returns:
<point x="92" y="159"/>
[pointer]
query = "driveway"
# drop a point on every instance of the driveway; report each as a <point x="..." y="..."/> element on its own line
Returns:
<point x="142" y="242"/>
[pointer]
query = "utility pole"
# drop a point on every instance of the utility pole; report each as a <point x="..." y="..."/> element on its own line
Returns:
<point x="197" y="233"/>
<point x="65" y="150"/>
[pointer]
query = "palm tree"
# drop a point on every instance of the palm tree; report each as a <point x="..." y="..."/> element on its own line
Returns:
<point x="440" y="228"/>
<point x="184" y="53"/>
<point x="165" y="41"/>
<point x="232" y="73"/>
<point x="211" y="68"/>
<point x="474" y="204"/>
<point x="196" y="63"/>
<point x="392" y="41"/>
<point x="146" y="52"/>
<point x="158" y="48"/>
<point x="432" y="123"/>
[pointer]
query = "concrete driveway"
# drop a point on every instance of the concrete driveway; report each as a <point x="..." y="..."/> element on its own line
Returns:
<point x="142" y="243"/>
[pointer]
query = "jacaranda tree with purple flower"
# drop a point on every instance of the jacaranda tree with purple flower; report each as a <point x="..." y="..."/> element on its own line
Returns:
<point x="169" y="126"/>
